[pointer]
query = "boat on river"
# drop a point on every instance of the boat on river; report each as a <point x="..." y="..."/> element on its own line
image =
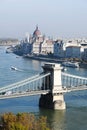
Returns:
<point x="71" y="64"/>
<point x="13" y="68"/>
<point x="64" y="69"/>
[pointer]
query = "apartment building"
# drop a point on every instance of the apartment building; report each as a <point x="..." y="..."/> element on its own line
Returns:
<point x="73" y="51"/>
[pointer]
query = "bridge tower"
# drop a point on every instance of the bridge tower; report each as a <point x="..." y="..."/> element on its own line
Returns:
<point x="55" y="98"/>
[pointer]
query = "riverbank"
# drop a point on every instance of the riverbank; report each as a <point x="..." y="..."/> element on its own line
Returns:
<point x="52" y="60"/>
<point x="44" y="58"/>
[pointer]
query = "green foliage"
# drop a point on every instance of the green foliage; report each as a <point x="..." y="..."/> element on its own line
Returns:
<point x="23" y="121"/>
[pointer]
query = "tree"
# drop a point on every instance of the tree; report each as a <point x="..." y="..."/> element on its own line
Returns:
<point x="23" y="121"/>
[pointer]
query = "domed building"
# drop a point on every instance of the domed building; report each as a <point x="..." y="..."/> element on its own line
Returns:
<point x="37" y="32"/>
<point x="41" y="44"/>
<point x="37" y="36"/>
<point x="37" y="44"/>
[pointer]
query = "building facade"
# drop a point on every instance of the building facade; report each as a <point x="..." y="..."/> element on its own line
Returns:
<point x="59" y="49"/>
<point x="73" y="52"/>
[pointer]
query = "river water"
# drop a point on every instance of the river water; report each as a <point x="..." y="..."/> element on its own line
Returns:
<point x="75" y="115"/>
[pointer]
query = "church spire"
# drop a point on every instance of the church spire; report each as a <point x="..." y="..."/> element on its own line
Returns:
<point x="37" y="27"/>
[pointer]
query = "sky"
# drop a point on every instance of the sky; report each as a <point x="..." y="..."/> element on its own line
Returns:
<point x="55" y="18"/>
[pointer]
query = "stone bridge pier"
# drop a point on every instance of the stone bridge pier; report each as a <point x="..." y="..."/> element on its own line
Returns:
<point x="55" y="98"/>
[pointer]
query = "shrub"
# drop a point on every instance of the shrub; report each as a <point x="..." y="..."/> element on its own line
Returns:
<point x="23" y="121"/>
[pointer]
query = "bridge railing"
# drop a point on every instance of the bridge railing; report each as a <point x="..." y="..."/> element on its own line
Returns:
<point x="69" y="80"/>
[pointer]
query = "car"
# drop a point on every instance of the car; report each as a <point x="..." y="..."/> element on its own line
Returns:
<point x="8" y="93"/>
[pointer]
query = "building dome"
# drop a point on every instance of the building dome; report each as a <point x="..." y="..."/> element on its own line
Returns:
<point x="36" y="32"/>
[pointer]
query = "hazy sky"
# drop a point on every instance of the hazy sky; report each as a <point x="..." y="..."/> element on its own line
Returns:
<point x="55" y="18"/>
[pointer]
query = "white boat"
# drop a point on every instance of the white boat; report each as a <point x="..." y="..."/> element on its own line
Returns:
<point x="13" y="68"/>
<point x="71" y="64"/>
<point x="64" y="69"/>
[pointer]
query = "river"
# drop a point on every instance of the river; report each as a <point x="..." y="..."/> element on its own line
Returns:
<point x="75" y="115"/>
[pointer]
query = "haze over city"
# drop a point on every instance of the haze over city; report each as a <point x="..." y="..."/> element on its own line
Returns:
<point x="58" y="18"/>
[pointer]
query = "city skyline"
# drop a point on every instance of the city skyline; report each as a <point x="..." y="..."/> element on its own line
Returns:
<point x="63" y="19"/>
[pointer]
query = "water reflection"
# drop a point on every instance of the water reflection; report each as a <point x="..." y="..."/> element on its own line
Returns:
<point x="56" y="118"/>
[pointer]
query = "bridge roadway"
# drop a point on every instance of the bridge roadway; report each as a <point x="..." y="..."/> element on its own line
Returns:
<point x="39" y="92"/>
<point x="23" y="94"/>
<point x="77" y="88"/>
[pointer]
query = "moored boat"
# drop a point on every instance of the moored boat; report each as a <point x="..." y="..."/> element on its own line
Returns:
<point x="71" y="64"/>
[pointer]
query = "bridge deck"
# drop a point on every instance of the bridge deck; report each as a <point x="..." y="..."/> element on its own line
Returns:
<point x="31" y="93"/>
<point x="79" y="88"/>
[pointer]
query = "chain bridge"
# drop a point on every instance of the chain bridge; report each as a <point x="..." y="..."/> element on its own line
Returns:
<point x="31" y="86"/>
<point x="51" y="84"/>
